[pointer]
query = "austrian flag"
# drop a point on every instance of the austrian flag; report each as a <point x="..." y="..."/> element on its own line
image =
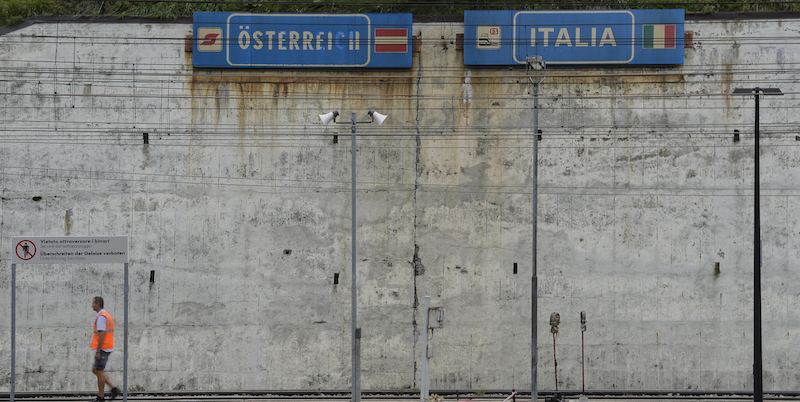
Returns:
<point x="391" y="40"/>
<point x="658" y="36"/>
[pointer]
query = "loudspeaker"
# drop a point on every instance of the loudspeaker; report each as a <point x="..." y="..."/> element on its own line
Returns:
<point x="328" y="117"/>
<point x="377" y="117"/>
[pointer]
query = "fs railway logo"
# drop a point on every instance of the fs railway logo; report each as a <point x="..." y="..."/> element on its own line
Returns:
<point x="209" y="39"/>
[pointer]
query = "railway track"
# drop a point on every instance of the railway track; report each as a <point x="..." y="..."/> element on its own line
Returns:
<point x="446" y="395"/>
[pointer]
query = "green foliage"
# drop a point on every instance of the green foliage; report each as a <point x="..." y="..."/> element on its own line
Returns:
<point x="16" y="11"/>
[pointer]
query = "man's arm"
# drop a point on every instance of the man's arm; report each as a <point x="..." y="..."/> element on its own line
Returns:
<point x="100" y="336"/>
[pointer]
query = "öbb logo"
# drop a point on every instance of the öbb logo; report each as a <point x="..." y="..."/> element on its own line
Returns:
<point x="209" y="39"/>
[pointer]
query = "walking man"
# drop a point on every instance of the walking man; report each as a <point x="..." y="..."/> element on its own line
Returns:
<point x="102" y="346"/>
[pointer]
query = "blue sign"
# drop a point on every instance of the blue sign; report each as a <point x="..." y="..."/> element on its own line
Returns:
<point x="607" y="37"/>
<point x="245" y="40"/>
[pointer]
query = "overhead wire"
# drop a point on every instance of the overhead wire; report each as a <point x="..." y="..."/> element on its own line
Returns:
<point x="154" y="77"/>
<point x="338" y="185"/>
<point x="461" y="5"/>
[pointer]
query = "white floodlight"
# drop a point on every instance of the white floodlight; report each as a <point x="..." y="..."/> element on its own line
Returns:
<point x="328" y="117"/>
<point x="379" y="118"/>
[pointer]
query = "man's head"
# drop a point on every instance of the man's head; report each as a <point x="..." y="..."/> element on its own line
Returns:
<point x="97" y="303"/>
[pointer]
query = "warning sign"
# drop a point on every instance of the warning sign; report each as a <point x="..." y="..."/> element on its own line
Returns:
<point x="25" y="250"/>
<point x="70" y="250"/>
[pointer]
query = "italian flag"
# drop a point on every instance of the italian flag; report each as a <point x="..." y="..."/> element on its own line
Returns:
<point x="658" y="36"/>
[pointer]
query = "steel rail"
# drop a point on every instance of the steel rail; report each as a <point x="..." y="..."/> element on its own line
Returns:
<point x="186" y="396"/>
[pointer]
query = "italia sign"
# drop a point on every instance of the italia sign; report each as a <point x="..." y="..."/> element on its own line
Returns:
<point x="245" y="40"/>
<point x="607" y="37"/>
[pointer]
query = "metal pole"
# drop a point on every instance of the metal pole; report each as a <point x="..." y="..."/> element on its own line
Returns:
<point x="583" y="359"/>
<point x="758" y="386"/>
<point x="125" y="341"/>
<point x="534" y="279"/>
<point x="424" y="391"/>
<point x="555" y="361"/>
<point x="13" y="330"/>
<point x="356" y="332"/>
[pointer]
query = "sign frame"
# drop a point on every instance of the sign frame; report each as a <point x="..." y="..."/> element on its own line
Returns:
<point x="574" y="37"/>
<point x="104" y="250"/>
<point x="285" y="40"/>
<point x="69" y="250"/>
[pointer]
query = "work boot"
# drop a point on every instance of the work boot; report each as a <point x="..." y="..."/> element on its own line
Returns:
<point x="115" y="393"/>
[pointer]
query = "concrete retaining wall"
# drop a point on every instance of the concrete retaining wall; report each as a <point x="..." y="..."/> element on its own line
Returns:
<point x="238" y="212"/>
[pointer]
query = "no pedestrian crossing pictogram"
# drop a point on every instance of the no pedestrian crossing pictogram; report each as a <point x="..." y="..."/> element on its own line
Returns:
<point x="26" y="249"/>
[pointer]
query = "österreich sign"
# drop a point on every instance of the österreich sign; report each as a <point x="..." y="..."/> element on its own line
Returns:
<point x="246" y="40"/>
<point x="594" y="37"/>
<point x="69" y="250"/>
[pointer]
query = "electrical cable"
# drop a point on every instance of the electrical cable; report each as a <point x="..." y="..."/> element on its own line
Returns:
<point x="166" y="84"/>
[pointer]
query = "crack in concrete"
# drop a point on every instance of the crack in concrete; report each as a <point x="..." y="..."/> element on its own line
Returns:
<point x="416" y="260"/>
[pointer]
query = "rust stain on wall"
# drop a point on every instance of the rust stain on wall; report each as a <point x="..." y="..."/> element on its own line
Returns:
<point x="259" y="102"/>
<point x="727" y="84"/>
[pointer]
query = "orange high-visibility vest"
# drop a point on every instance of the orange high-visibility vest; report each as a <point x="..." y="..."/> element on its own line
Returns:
<point x="108" y="340"/>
